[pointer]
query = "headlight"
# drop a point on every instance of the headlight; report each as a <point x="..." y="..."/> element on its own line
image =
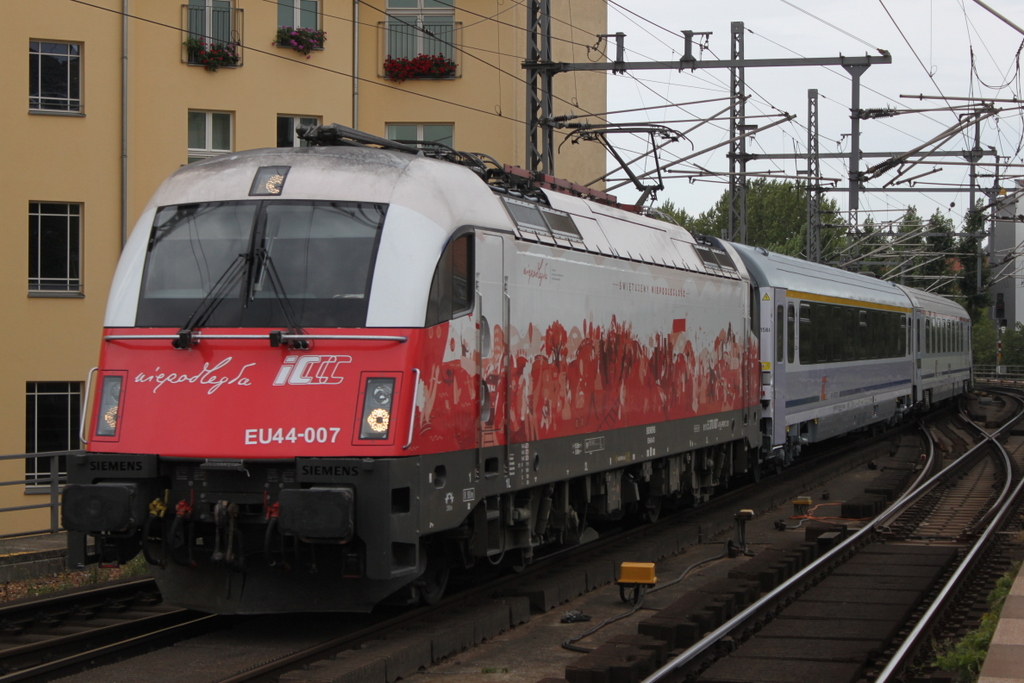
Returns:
<point x="110" y="404"/>
<point x="376" y="422"/>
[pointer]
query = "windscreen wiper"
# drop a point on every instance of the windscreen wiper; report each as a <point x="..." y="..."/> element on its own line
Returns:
<point x="265" y="264"/>
<point x="229" y="278"/>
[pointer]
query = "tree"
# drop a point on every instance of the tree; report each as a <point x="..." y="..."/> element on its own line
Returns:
<point x="983" y="341"/>
<point x="776" y="218"/>
<point x="942" y="262"/>
<point x="975" y="299"/>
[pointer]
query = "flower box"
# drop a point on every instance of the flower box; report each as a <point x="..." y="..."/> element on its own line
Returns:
<point x="211" y="55"/>
<point x="399" y="69"/>
<point x="302" y="40"/>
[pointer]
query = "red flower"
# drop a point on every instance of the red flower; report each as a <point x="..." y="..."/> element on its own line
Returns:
<point x="421" y="66"/>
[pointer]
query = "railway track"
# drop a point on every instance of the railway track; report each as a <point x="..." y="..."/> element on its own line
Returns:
<point x="868" y="608"/>
<point x="55" y="657"/>
<point x="338" y="658"/>
<point x="61" y="633"/>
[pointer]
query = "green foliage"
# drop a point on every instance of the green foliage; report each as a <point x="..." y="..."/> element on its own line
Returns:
<point x="1013" y="345"/>
<point x="983" y="342"/>
<point x="940" y="240"/>
<point x="776" y="218"/>
<point x="967" y="656"/>
<point x="976" y="300"/>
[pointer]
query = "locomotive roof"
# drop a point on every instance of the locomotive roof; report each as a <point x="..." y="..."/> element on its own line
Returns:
<point x="450" y="194"/>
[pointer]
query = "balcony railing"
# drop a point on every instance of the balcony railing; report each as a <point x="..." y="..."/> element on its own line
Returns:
<point x="408" y="37"/>
<point x="216" y="31"/>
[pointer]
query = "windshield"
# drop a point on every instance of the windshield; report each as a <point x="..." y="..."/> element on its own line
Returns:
<point x="223" y="255"/>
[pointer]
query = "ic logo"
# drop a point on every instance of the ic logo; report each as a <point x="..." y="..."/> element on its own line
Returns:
<point x="300" y="370"/>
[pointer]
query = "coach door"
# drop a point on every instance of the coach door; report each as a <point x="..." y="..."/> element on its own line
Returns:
<point x="782" y="344"/>
<point x="492" y="337"/>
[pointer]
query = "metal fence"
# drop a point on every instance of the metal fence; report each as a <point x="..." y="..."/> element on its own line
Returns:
<point x="410" y="37"/>
<point x="999" y="373"/>
<point x="53" y="484"/>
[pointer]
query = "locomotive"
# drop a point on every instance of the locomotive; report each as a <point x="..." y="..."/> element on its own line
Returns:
<point x="329" y="375"/>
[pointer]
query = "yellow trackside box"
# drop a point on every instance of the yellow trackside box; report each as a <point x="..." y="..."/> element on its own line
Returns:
<point x="640" y="573"/>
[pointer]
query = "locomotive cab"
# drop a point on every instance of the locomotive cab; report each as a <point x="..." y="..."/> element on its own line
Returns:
<point x="262" y="371"/>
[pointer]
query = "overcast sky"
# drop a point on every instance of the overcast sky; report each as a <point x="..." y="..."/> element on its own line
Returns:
<point x="931" y="43"/>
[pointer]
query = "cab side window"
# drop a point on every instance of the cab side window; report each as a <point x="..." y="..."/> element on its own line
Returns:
<point x="451" y="291"/>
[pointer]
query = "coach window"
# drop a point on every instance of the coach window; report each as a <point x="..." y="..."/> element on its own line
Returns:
<point x="849" y="339"/>
<point x="902" y="350"/>
<point x="822" y="333"/>
<point x="860" y="334"/>
<point x="791" y="330"/>
<point x="779" y="336"/>
<point x="451" y="291"/>
<point x="927" y="335"/>
<point x="806" y="336"/>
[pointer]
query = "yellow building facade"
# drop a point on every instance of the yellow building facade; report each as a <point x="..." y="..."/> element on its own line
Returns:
<point x="102" y="99"/>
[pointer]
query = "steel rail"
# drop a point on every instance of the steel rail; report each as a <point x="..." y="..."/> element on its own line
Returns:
<point x="104" y="650"/>
<point x="1003" y="505"/>
<point x="767" y="600"/>
<point x="274" y="668"/>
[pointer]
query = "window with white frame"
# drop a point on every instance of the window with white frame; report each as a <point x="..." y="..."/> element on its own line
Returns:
<point x="420" y="27"/>
<point x="52" y="411"/>
<point x="298" y="13"/>
<point x="286" y="126"/>
<point x="209" y="134"/>
<point x="442" y="133"/>
<point x="211" y="21"/>
<point x="55" y="76"/>
<point x="54" y="247"/>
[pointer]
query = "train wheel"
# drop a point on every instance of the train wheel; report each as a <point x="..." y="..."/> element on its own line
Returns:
<point x="652" y="508"/>
<point x="434" y="581"/>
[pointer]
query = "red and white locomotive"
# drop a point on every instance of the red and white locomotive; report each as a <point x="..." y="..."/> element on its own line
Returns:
<point x="330" y="374"/>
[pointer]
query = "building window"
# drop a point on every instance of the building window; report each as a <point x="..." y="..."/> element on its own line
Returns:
<point x="298" y="14"/>
<point x="209" y="134"/>
<point x="51" y="424"/>
<point x="54" y="247"/>
<point x="286" y="126"/>
<point x="55" y="76"/>
<point x="420" y="27"/>
<point x="421" y="132"/>
<point x="211" y="20"/>
<point x="213" y="34"/>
